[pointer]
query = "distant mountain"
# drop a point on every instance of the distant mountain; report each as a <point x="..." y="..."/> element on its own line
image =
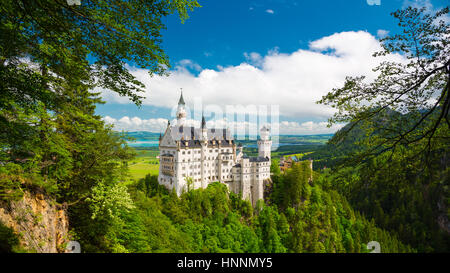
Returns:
<point x="339" y="147"/>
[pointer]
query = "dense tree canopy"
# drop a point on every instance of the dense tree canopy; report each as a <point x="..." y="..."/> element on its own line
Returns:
<point x="52" y="56"/>
<point x="87" y="44"/>
<point x="216" y="220"/>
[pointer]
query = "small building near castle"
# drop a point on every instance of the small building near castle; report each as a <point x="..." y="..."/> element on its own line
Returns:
<point x="199" y="156"/>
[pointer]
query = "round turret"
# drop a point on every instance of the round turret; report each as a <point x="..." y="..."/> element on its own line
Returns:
<point x="264" y="133"/>
<point x="264" y="143"/>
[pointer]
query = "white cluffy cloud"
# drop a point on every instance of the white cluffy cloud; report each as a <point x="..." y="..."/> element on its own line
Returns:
<point x="270" y="11"/>
<point x="136" y="124"/>
<point x="294" y="82"/>
<point x="381" y="33"/>
<point x="159" y="125"/>
<point x="430" y="8"/>
<point x="254" y="58"/>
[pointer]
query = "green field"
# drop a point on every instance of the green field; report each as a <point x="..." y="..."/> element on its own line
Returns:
<point x="144" y="163"/>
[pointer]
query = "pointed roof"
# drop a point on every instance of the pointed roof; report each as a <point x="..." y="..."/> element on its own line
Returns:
<point x="203" y="122"/>
<point x="181" y="100"/>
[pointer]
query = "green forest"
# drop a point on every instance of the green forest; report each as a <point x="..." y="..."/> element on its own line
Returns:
<point x="383" y="177"/>
<point x="300" y="217"/>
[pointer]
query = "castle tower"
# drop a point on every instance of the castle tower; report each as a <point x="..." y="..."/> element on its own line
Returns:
<point x="264" y="143"/>
<point x="181" y="111"/>
<point x="204" y="129"/>
<point x="204" y="145"/>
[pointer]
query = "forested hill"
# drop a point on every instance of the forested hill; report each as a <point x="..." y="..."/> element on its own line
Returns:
<point x="355" y="138"/>
<point x="349" y="140"/>
<point x="405" y="195"/>
<point x="335" y="151"/>
<point x="299" y="216"/>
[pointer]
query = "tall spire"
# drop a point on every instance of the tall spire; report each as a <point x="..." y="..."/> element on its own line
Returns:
<point x="181" y="111"/>
<point x="181" y="100"/>
<point x="203" y="122"/>
<point x="204" y="130"/>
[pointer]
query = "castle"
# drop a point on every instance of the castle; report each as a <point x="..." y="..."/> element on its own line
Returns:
<point x="191" y="158"/>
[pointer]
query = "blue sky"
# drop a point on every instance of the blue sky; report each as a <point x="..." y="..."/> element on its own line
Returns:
<point x="261" y="50"/>
<point x="220" y="31"/>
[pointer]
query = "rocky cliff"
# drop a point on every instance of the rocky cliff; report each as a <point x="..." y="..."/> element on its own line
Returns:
<point x="42" y="225"/>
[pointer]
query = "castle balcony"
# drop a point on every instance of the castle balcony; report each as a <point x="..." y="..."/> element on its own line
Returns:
<point x="167" y="164"/>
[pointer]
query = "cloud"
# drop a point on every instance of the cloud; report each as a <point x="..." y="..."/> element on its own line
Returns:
<point x="136" y="124"/>
<point x="307" y="128"/>
<point x="292" y="81"/>
<point x="270" y="11"/>
<point x="418" y="4"/>
<point x="186" y="63"/>
<point x="159" y="125"/>
<point x="381" y="33"/>
<point x="254" y="58"/>
<point x="430" y="8"/>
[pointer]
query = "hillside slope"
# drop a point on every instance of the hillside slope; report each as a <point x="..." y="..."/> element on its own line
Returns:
<point x="39" y="224"/>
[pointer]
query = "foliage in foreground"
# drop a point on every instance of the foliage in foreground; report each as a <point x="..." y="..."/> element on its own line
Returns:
<point x="52" y="55"/>
<point x="215" y="220"/>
